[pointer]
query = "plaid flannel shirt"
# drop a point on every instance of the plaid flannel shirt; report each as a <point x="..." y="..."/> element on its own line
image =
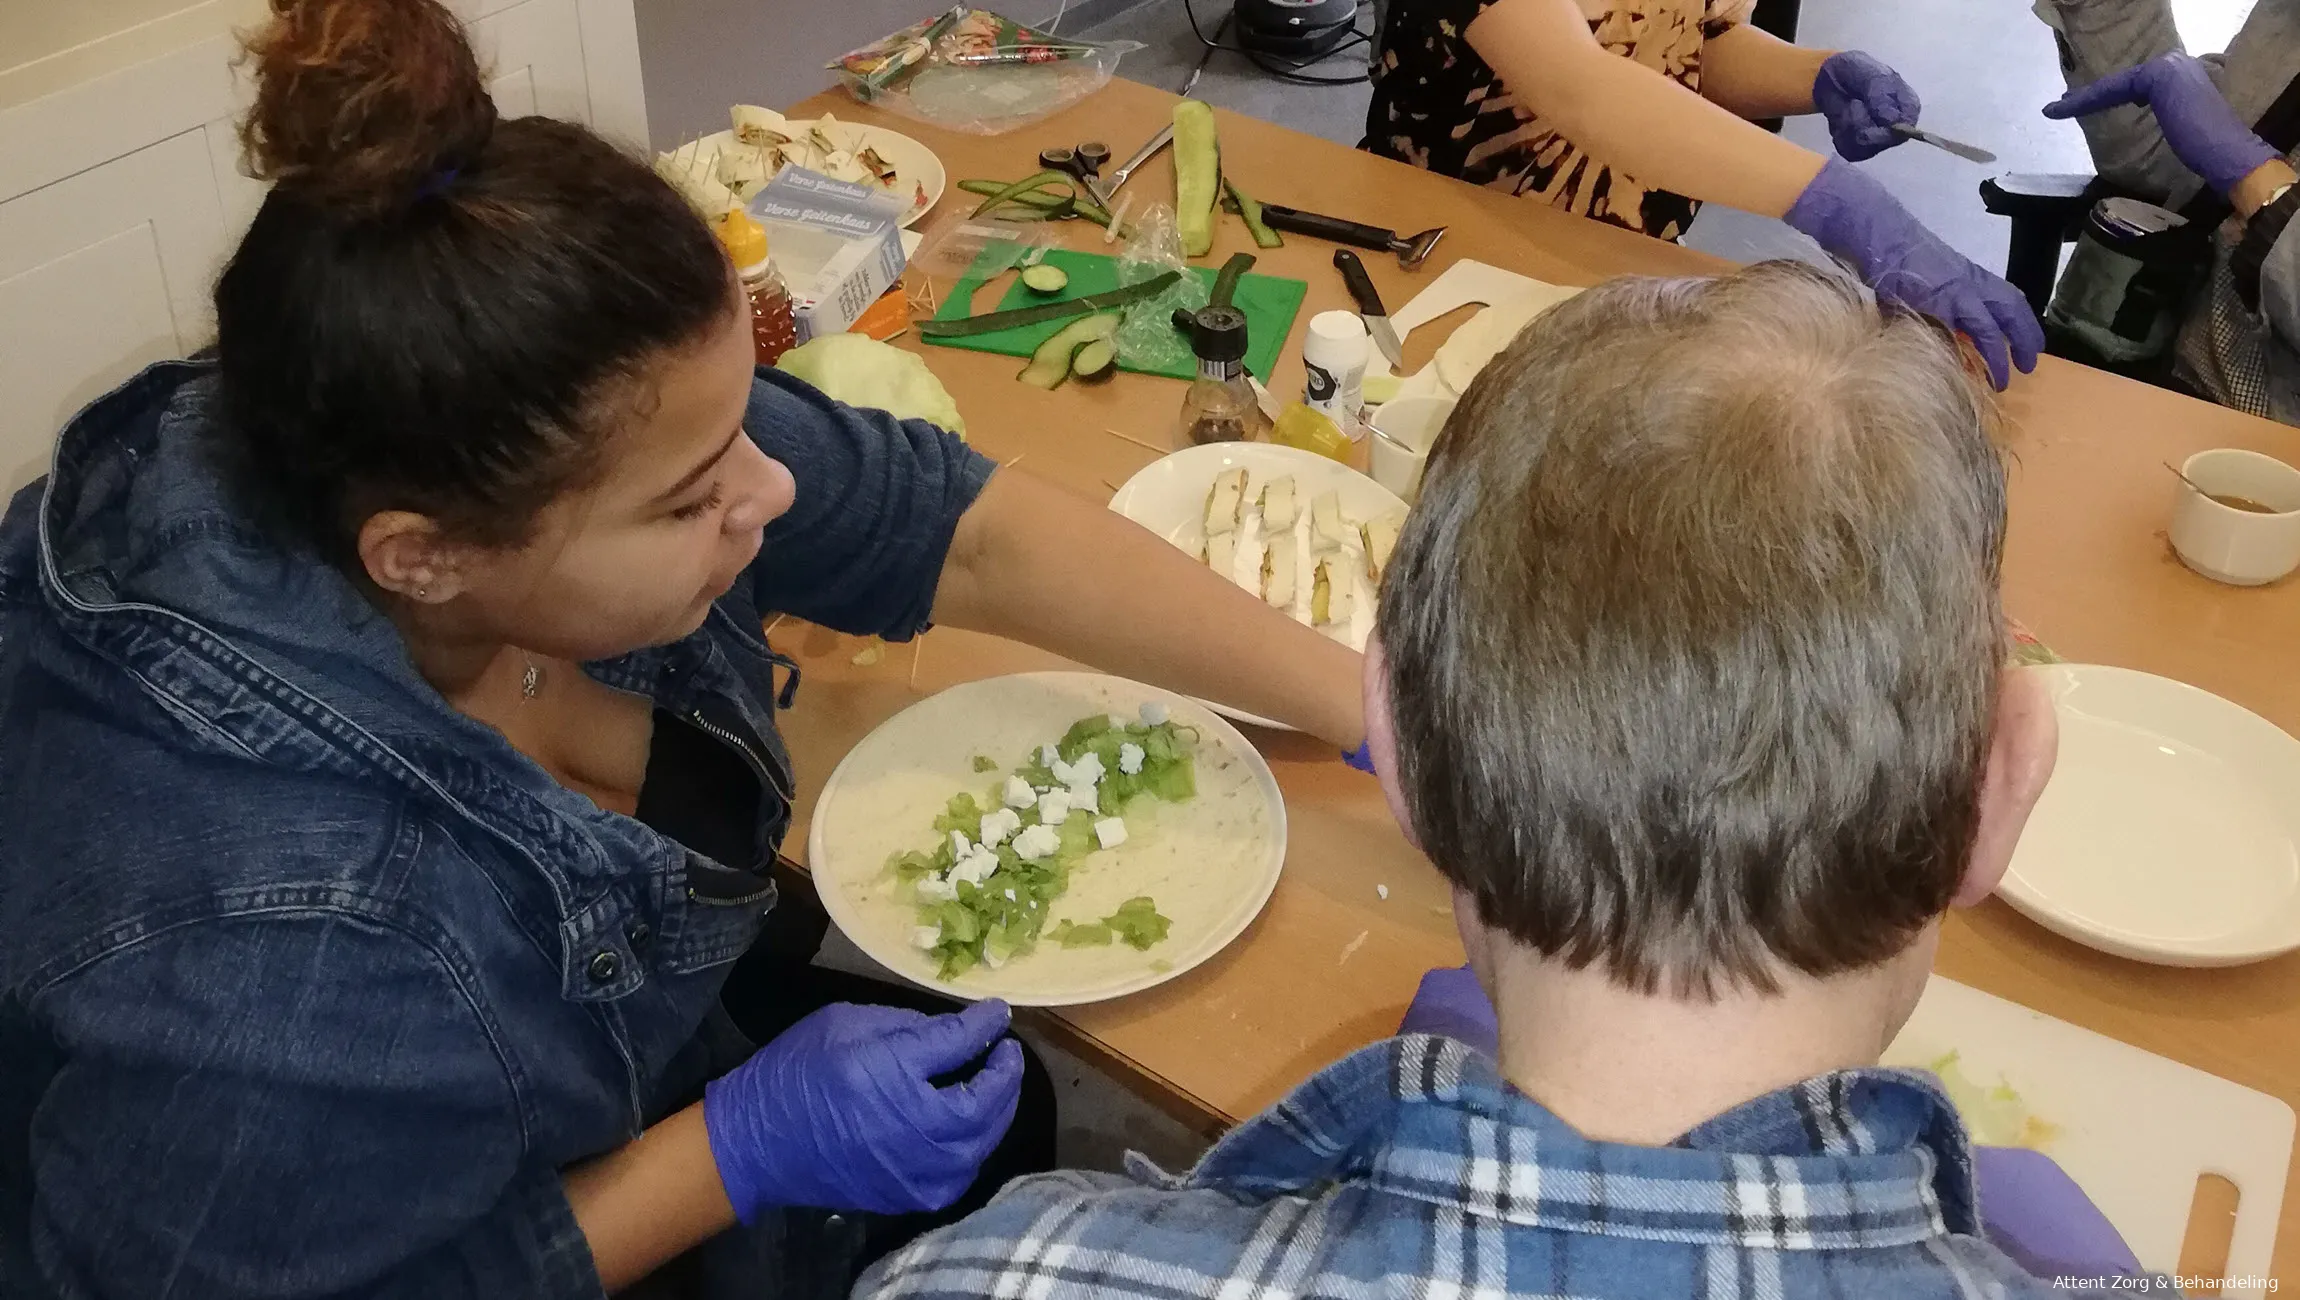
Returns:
<point x="1412" y="1168"/>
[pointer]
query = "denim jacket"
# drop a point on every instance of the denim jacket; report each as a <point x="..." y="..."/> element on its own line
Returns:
<point x="309" y="984"/>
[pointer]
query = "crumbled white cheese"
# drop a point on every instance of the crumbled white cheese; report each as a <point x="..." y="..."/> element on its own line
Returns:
<point x="1155" y="712"/>
<point x="1083" y="798"/>
<point x="976" y="867"/>
<point x="925" y="936"/>
<point x="1049" y="755"/>
<point x="1130" y="758"/>
<point x="1035" y="842"/>
<point x="960" y="846"/>
<point x="999" y="823"/>
<point x="1382" y="890"/>
<point x="1053" y="806"/>
<point x="1110" y="832"/>
<point x="1009" y="895"/>
<point x="935" y="889"/>
<point x="1019" y="794"/>
<point x="992" y="958"/>
<point x="1086" y="771"/>
<point x="1064" y="773"/>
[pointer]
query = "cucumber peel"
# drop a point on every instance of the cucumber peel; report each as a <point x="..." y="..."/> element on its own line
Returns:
<point x="1235" y="199"/>
<point x="1226" y="279"/>
<point x="1042" y="278"/>
<point x="1032" y="184"/>
<point x="1197" y="175"/>
<point x="1058" y="356"/>
<point x="993" y="322"/>
<point x="1042" y="205"/>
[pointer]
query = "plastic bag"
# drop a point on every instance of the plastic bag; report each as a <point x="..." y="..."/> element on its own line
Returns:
<point x="975" y="71"/>
<point x="1147" y="339"/>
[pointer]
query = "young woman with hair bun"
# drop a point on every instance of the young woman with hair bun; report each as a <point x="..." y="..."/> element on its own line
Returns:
<point x="389" y="783"/>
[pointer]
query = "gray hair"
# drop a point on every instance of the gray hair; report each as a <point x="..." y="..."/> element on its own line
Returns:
<point x="1694" y="638"/>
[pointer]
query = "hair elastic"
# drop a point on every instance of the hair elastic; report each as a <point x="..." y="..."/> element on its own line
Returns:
<point x="436" y="183"/>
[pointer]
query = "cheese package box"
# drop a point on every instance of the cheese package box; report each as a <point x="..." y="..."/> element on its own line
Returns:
<point x="838" y="246"/>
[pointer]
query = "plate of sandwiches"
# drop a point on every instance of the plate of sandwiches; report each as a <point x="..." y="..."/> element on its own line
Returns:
<point x="1308" y="535"/>
<point x="728" y="168"/>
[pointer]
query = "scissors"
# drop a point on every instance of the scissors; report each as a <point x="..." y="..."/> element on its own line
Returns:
<point x="1083" y="160"/>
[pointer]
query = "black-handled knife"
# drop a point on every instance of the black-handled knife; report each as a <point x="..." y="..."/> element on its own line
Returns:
<point x="1370" y="309"/>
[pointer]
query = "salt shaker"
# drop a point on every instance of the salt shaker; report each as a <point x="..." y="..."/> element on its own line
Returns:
<point x="1334" y="357"/>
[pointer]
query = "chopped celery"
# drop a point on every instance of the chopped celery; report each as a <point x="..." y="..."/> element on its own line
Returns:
<point x="1138" y="922"/>
<point x="1096" y="935"/>
<point x="982" y="924"/>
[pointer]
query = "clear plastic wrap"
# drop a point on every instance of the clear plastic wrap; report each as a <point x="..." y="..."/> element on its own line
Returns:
<point x="975" y="71"/>
<point x="1147" y="339"/>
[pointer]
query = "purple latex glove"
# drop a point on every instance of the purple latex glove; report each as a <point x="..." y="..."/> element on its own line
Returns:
<point x="1361" y="758"/>
<point x="1863" y="100"/>
<point x="2202" y="129"/>
<point x="1452" y="1003"/>
<point x="840" y="1111"/>
<point x="1855" y="218"/>
<point x="2039" y="1217"/>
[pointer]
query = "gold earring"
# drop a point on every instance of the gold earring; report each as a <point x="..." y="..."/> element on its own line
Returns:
<point x="422" y="593"/>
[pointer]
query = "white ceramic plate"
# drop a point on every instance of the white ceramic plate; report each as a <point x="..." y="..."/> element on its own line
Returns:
<point x="1168" y="497"/>
<point x="1209" y="864"/>
<point x="2170" y="832"/>
<point x="914" y="164"/>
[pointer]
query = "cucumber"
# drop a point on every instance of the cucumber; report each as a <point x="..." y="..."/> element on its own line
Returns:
<point x="1197" y="175"/>
<point x="1042" y="278"/>
<point x="1029" y="185"/>
<point x="1095" y="362"/>
<point x="1251" y="212"/>
<point x="1051" y="363"/>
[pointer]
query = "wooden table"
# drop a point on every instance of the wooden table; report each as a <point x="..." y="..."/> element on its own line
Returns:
<point x="1331" y="963"/>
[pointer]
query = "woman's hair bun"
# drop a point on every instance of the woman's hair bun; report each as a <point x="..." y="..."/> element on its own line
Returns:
<point x="359" y="103"/>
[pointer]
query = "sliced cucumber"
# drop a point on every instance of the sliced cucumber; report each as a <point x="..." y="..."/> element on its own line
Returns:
<point x="1043" y="278"/>
<point x="1051" y="363"/>
<point x="1095" y="362"/>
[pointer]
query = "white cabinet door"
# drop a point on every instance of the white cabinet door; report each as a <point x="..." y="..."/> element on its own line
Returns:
<point x="101" y="274"/>
<point x="532" y="55"/>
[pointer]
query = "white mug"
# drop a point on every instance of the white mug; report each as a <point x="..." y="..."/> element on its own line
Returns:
<point x="1403" y="429"/>
<point x="2243" y="548"/>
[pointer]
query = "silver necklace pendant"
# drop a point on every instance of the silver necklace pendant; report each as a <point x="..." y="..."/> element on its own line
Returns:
<point x="530" y="681"/>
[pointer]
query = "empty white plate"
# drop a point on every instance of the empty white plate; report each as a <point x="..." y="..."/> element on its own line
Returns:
<point x="2170" y="831"/>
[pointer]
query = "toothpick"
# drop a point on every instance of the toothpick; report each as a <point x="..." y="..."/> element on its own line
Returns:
<point x="769" y="629"/>
<point x="1112" y="486"/>
<point x="917" y="652"/>
<point x="1009" y="464"/>
<point x="1127" y="437"/>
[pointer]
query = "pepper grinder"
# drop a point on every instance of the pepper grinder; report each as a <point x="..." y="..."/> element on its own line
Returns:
<point x="1220" y="406"/>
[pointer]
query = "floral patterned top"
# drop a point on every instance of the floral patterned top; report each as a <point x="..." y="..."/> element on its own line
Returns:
<point x="1438" y="106"/>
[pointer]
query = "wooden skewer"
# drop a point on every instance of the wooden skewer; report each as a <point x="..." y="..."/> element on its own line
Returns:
<point x="1127" y="437"/>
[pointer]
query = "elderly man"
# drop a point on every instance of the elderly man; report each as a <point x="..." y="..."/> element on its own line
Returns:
<point x="1691" y="679"/>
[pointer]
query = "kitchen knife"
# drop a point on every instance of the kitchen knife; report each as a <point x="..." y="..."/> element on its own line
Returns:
<point x="1968" y="152"/>
<point x="1370" y="309"/>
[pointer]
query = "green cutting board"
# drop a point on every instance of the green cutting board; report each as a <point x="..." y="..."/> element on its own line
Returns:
<point x="1270" y="303"/>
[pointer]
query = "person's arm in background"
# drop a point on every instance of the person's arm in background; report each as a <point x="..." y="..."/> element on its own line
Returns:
<point x="1750" y="72"/>
<point x="1035" y="564"/>
<point x="2209" y="139"/>
<point x="1633" y="117"/>
<point x="1665" y="135"/>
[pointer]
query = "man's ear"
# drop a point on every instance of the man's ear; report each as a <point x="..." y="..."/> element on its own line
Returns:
<point x="404" y="554"/>
<point x="1382" y="735"/>
<point x="2023" y="746"/>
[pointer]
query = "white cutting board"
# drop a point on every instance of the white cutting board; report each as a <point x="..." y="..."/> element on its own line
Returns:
<point x="2135" y="1129"/>
<point x="1466" y="281"/>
